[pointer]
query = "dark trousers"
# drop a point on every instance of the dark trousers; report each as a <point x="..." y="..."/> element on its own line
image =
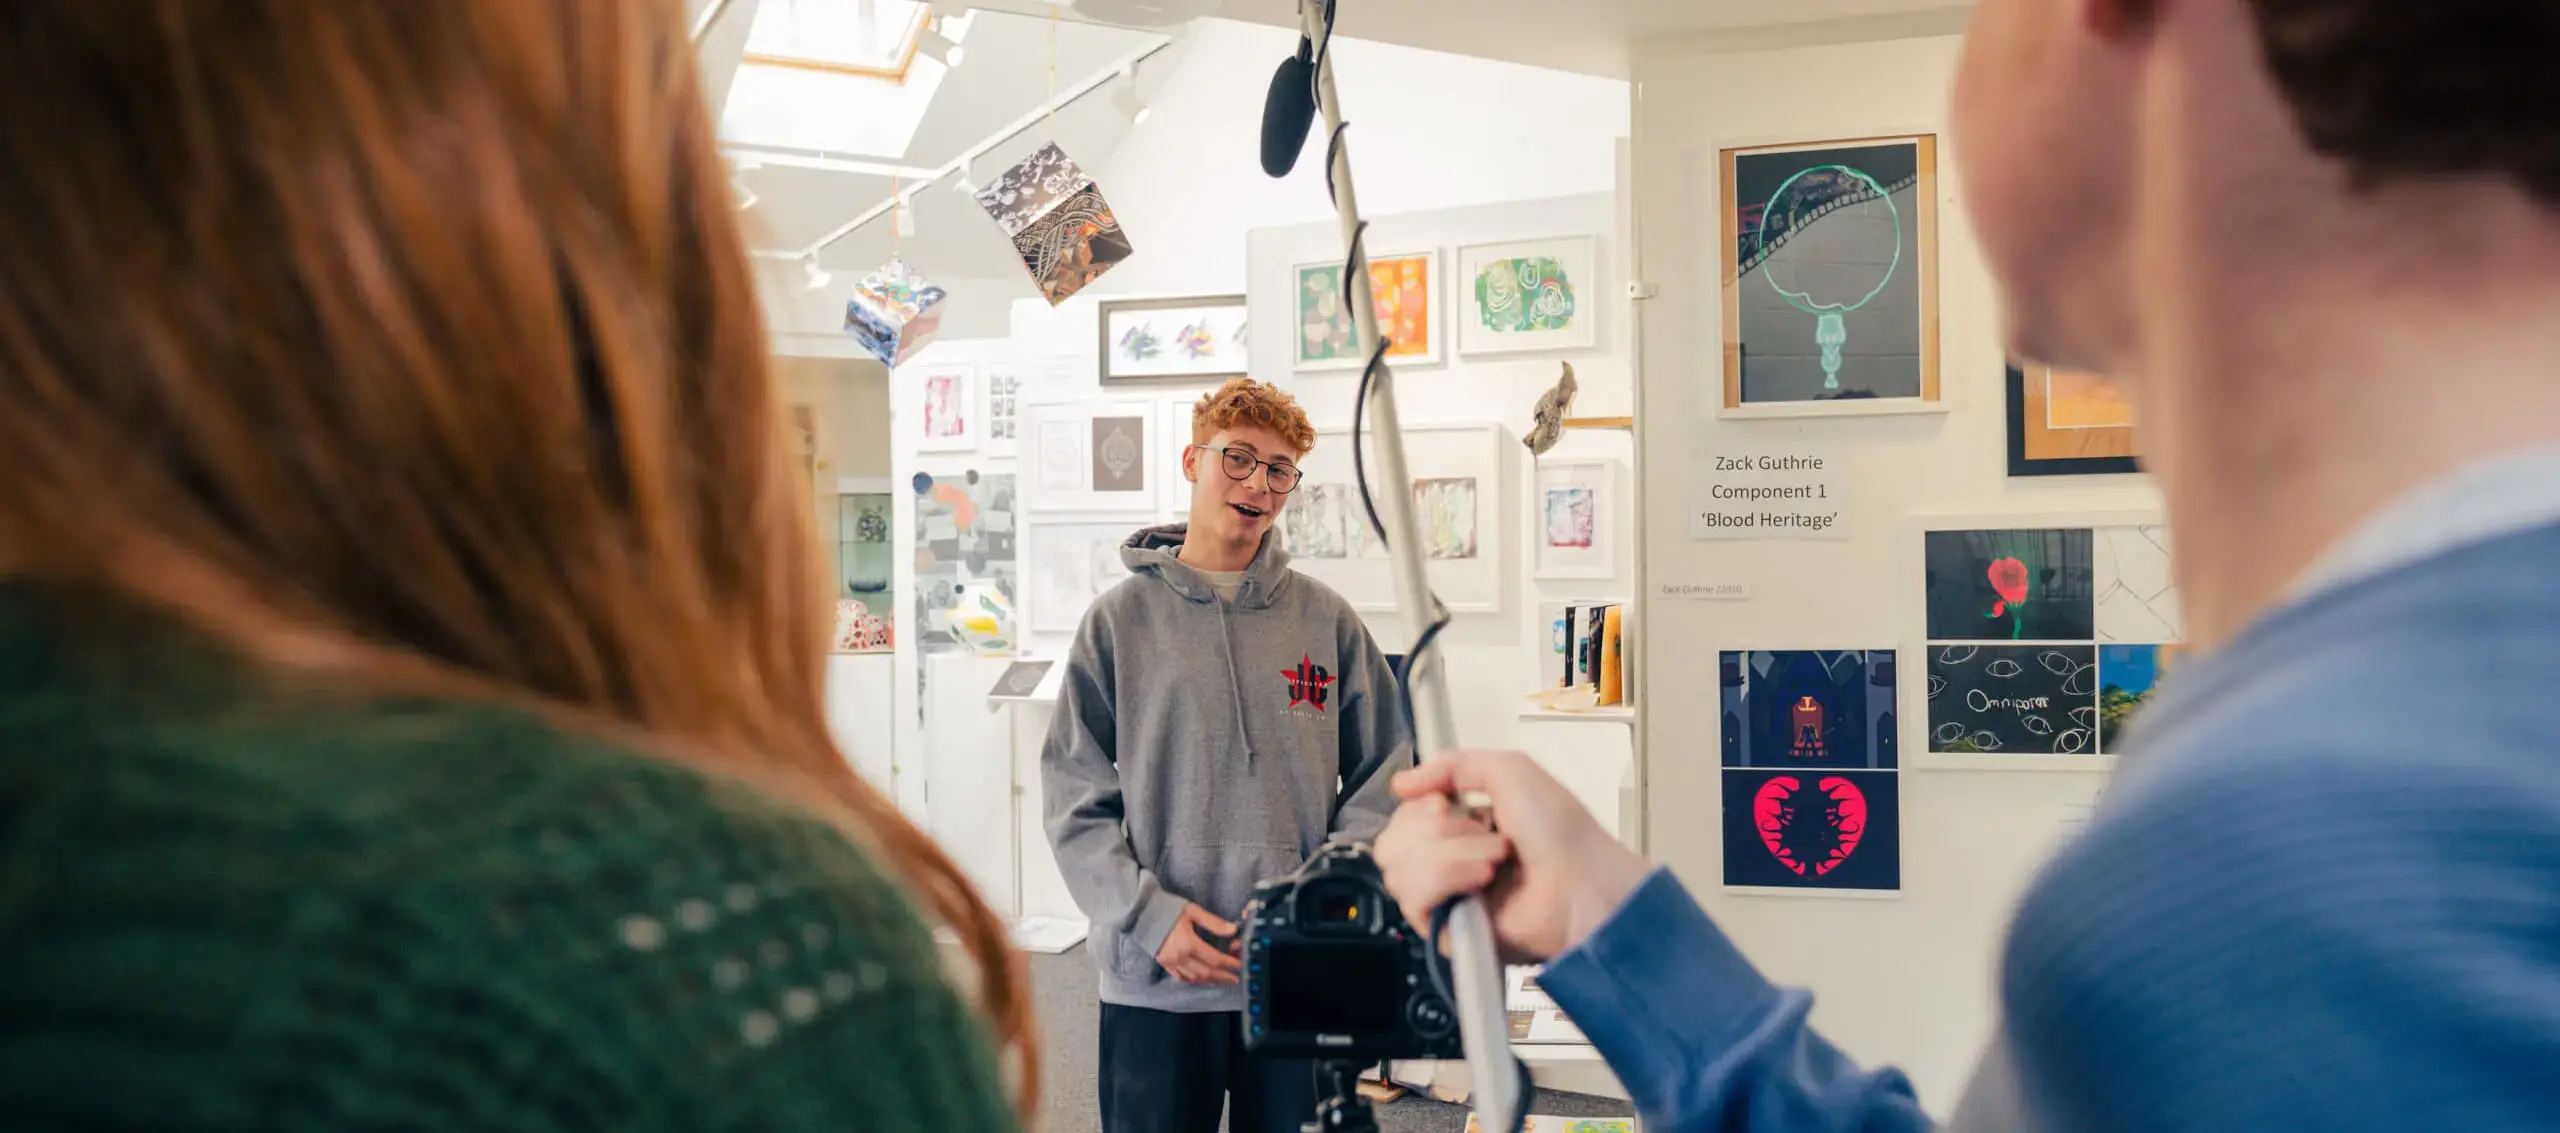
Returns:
<point x="1163" y="1072"/>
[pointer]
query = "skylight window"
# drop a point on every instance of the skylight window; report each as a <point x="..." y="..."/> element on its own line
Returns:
<point x="861" y="37"/>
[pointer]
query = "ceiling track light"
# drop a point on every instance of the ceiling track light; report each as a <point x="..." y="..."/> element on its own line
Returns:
<point x="932" y="42"/>
<point x="818" y="276"/>
<point x="1124" y="96"/>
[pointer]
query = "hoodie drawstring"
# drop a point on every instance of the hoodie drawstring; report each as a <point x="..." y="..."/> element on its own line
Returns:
<point x="1235" y="680"/>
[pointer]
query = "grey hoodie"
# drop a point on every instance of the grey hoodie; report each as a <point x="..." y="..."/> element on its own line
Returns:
<point x="1202" y="746"/>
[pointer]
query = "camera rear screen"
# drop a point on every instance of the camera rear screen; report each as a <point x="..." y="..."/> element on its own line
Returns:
<point x="1336" y="989"/>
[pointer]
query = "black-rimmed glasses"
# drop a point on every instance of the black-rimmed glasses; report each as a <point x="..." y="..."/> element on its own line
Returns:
<point x="1280" y="478"/>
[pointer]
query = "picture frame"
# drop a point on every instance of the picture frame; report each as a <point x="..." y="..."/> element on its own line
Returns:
<point x="1459" y="475"/>
<point x="1834" y="309"/>
<point x="1200" y="339"/>
<point x="1002" y="384"/>
<point x="951" y="407"/>
<point x="1550" y="301"/>
<point x="1574" y="518"/>
<point x="1412" y="314"/>
<point x="1095" y="455"/>
<point x="2068" y="424"/>
<point x="1069" y="562"/>
<point x="1174" y="496"/>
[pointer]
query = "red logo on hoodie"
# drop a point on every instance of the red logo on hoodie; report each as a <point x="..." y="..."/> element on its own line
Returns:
<point x="1307" y="683"/>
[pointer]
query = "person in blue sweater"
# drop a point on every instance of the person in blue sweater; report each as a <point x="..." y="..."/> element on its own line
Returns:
<point x="2319" y="241"/>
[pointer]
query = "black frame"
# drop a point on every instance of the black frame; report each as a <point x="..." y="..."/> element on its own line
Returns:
<point x="2019" y="465"/>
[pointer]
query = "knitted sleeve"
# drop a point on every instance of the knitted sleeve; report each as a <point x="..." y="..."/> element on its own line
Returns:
<point x="547" y="941"/>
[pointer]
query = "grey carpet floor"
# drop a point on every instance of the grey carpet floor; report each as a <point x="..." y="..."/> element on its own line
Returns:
<point x="1070" y="1017"/>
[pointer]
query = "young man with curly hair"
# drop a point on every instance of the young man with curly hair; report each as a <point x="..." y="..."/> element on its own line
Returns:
<point x="1223" y="717"/>
<point x="2319" y="242"/>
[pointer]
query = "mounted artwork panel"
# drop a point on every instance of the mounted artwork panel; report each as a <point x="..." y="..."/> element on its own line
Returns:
<point x="1529" y="297"/>
<point x="1829" y="255"/>
<point x="1457" y="490"/>
<point x="2068" y="423"/>
<point x="1809" y="708"/>
<point x="1099" y="455"/>
<point x="951" y="413"/>
<point x="2043" y="641"/>
<point x="1790" y="829"/>
<point x="1071" y="564"/>
<point x="1406" y="290"/>
<point x="1575" y="508"/>
<point x="1196" y="339"/>
<point x="964" y="541"/>
<point x="1003" y="382"/>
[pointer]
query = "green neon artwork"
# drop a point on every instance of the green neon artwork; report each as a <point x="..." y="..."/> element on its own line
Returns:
<point x="1826" y="188"/>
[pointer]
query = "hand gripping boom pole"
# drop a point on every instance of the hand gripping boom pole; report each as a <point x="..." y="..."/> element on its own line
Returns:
<point x="1475" y="970"/>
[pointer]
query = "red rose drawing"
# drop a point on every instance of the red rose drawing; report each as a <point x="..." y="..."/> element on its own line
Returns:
<point x="2009" y="578"/>
<point x="1810" y="832"/>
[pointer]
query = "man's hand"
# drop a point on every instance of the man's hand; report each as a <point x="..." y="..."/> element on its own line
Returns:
<point x="1550" y="877"/>
<point x="1196" y="961"/>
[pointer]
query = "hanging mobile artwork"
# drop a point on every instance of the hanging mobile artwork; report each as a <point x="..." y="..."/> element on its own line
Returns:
<point x="894" y="313"/>
<point x="1058" y="221"/>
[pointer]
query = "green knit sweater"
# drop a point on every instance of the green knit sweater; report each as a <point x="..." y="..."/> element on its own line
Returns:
<point x="220" y="910"/>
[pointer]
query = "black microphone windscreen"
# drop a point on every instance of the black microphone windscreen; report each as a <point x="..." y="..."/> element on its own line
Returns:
<point x="1287" y="116"/>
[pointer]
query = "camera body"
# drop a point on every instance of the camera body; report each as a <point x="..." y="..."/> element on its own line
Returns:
<point x="1333" y="972"/>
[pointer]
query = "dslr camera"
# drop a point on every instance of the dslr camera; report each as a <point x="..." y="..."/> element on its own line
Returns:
<point x="1332" y="971"/>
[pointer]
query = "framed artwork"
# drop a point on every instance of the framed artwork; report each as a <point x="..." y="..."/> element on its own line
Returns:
<point x="1809" y="829"/>
<point x="2043" y="642"/>
<point x="950" y="409"/>
<point x="1072" y="563"/>
<point x="1196" y="339"/>
<point x="1576" y="504"/>
<point x="1406" y="289"/>
<point x="1829" y="255"/>
<point x="2068" y="423"/>
<point x="1807" y="709"/>
<point x="1099" y="455"/>
<point x="1529" y="297"/>
<point x="1457" y="490"/>
<point x="964" y="538"/>
<point x="1003" y="382"/>
<point x="1176" y="494"/>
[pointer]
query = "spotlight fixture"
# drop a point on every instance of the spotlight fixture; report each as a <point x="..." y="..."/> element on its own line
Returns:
<point x="818" y="276"/>
<point x="1125" y="98"/>
<point x="932" y="42"/>
<point x="746" y="193"/>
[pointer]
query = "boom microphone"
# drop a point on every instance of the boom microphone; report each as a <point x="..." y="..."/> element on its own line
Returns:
<point x="1290" y="112"/>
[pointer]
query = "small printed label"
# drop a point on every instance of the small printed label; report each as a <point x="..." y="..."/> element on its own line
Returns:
<point x="1706" y="591"/>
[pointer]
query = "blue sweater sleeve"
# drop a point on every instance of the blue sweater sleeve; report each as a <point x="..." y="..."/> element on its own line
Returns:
<point x="1702" y="1042"/>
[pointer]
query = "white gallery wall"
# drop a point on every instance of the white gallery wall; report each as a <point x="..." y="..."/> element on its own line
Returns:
<point x="1908" y="978"/>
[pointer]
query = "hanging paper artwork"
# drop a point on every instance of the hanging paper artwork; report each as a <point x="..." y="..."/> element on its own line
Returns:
<point x="894" y="313"/>
<point x="1058" y="222"/>
<point x="1829" y="259"/>
<point x="1406" y="293"/>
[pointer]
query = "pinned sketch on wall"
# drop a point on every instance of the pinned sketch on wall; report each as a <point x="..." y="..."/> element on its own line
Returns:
<point x="1070" y="565"/>
<point x="964" y="538"/>
<point x="2068" y="423"/>
<point x="2021" y="585"/>
<point x="1097" y="455"/>
<point x="1808" y="708"/>
<point x="1577" y="513"/>
<point x="1459" y="498"/>
<point x="1198" y="339"/>
<point x="1812" y="829"/>
<point x="1004" y="407"/>
<point x="2044" y="641"/>
<point x="1058" y="221"/>
<point x="1406" y="292"/>
<point x="948" y="396"/>
<point x="1830" y="276"/>
<point x="1531" y="296"/>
